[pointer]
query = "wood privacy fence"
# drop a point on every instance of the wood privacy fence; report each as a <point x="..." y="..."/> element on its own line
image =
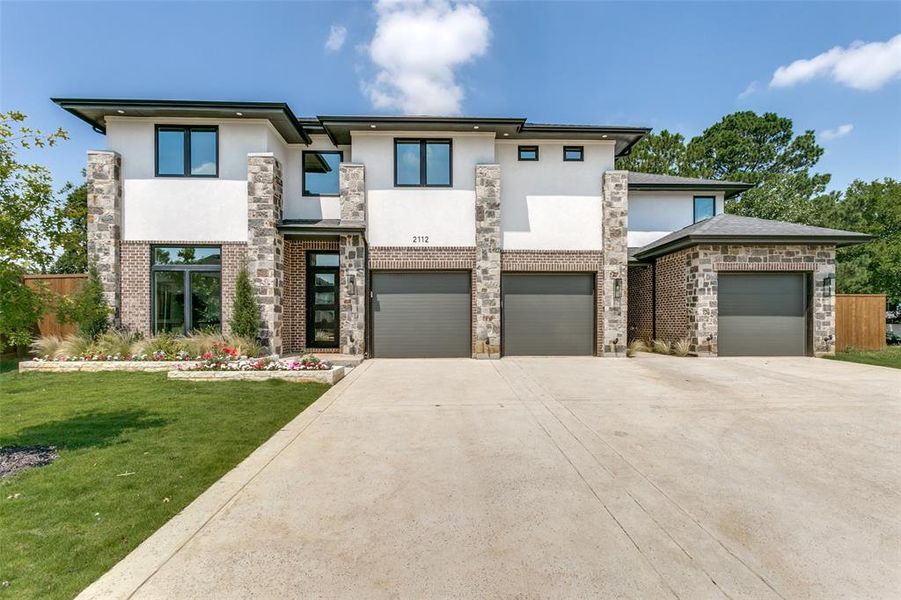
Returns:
<point x="860" y="321"/>
<point x="58" y="285"/>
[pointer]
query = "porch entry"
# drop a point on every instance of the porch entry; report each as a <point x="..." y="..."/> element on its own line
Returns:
<point x="322" y="299"/>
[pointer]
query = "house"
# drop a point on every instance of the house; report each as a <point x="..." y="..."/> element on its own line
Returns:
<point x="435" y="236"/>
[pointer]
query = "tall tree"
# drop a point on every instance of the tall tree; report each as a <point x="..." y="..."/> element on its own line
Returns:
<point x="72" y="236"/>
<point x="659" y="153"/>
<point x="27" y="213"/>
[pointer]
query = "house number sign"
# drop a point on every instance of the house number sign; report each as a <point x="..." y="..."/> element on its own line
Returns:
<point x="420" y="239"/>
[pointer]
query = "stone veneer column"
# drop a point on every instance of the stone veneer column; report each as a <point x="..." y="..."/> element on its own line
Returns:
<point x="352" y="260"/>
<point x="823" y="305"/>
<point x="487" y="293"/>
<point x="265" y="245"/>
<point x="104" y="182"/>
<point x="614" y="326"/>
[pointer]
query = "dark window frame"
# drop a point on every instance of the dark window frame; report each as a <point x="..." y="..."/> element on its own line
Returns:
<point x="528" y="148"/>
<point x="186" y="129"/>
<point x="423" y="175"/>
<point x="311" y="302"/>
<point x="579" y="149"/>
<point x="186" y="271"/>
<point x="303" y="173"/>
<point x="694" y="206"/>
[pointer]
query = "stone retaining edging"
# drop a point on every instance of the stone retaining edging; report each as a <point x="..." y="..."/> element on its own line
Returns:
<point x="52" y="366"/>
<point x="329" y="376"/>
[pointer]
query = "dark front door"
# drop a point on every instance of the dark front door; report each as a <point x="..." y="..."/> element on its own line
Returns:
<point x="322" y="300"/>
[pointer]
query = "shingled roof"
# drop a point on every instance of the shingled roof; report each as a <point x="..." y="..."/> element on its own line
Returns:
<point x="652" y="181"/>
<point x="733" y="229"/>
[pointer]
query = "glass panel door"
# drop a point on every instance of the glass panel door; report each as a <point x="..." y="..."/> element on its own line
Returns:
<point x="322" y="300"/>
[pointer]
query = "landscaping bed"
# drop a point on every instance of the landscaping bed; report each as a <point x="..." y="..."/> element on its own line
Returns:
<point x="133" y="450"/>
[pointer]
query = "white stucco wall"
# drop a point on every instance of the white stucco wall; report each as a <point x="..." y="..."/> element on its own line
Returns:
<point x="442" y="216"/>
<point x="551" y="204"/>
<point x="296" y="205"/>
<point x="652" y="215"/>
<point x="185" y="208"/>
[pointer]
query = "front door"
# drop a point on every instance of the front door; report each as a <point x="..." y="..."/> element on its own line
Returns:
<point x="322" y="299"/>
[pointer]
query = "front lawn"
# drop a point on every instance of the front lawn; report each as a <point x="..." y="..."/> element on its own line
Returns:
<point x="134" y="449"/>
<point x="890" y="356"/>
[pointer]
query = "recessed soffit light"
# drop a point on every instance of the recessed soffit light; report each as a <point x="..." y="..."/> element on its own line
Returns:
<point x="475" y="126"/>
<point x="240" y="114"/>
<point x="120" y="111"/>
<point x="371" y="126"/>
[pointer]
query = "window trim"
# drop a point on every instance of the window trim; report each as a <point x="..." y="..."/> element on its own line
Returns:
<point x="527" y="148"/>
<point x="423" y="175"/>
<point x="694" y="206"/>
<point x="579" y="149"/>
<point x="186" y="271"/>
<point x="303" y="173"/>
<point x="186" y="129"/>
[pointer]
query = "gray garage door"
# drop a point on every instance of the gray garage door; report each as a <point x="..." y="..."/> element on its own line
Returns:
<point x="416" y="315"/>
<point x="763" y="314"/>
<point x="548" y="314"/>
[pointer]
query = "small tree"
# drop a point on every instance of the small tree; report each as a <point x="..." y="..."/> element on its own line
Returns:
<point x="87" y="307"/>
<point x="245" y="320"/>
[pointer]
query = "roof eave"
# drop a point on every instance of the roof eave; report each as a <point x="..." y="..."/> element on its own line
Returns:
<point x="693" y="240"/>
<point x="729" y="189"/>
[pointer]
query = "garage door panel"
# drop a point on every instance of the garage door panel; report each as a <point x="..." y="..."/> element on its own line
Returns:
<point x="421" y="315"/>
<point x="762" y="314"/>
<point x="548" y="314"/>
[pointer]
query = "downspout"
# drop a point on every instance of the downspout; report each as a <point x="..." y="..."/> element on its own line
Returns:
<point x="654" y="300"/>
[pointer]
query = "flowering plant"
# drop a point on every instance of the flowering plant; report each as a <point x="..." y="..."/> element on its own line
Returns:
<point x="269" y="363"/>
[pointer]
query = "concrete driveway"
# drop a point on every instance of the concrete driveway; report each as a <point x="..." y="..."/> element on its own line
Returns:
<point x="648" y="478"/>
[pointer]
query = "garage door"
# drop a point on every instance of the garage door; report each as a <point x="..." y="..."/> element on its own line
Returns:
<point x="421" y="315"/>
<point x="763" y="314"/>
<point x="548" y="314"/>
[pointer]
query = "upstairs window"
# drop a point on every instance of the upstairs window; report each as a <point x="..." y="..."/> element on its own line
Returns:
<point x="574" y="153"/>
<point x="705" y="207"/>
<point x="422" y="163"/>
<point x="187" y="151"/>
<point x="528" y="153"/>
<point x="320" y="173"/>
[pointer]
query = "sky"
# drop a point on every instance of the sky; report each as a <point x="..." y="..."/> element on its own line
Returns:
<point x="831" y="67"/>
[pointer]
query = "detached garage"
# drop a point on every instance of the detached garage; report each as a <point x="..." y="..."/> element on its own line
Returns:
<point x="421" y="314"/>
<point x="547" y="314"/>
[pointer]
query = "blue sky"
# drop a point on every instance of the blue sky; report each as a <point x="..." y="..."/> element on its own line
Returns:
<point x="674" y="65"/>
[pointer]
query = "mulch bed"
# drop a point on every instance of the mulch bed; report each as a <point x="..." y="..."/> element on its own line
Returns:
<point x="16" y="458"/>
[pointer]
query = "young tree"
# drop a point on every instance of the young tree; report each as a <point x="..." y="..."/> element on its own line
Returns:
<point x="87" y="307"/>
<point x="27" y="213"/>
<point x="245" y="320"/>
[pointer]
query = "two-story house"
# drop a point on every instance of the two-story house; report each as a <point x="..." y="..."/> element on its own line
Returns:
<point x="435" y="236"/>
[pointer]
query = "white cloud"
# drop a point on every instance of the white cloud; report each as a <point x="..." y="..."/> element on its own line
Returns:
<point x="862" y="66"/>
<point x="417" y="46"/>
<point x="336" y="38"/>
<point x="751" y="89"/>
<point x="839" y="132"/>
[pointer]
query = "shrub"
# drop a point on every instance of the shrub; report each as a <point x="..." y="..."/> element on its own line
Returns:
<point x="77" y="344"/>
<point x="681" y="348"/>
<point x="118" y="343"/>
<point x="634" y="347"/>
<point x="164" y="343"/>
<point x="245" y="321"/>
<point x="660" y="347"/>
<point x="87" y="308"/>
<point x="46" y="345"/>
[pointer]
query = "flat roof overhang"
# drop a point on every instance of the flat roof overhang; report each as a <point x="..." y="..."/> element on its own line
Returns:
<point x="729" y="189"/>
<point x="95" y="110"/>
<point x="319" y="228"/>
<point x="692" y="240"/>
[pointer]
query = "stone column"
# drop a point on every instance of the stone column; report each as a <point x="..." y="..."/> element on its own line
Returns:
<point x="823" y="300"/>
<point x="614" y="276"/>
<point x="352" y="260"/>
<point x="702" y="285"/>
<point x="104" y="182"/>
<point x="486" y="312"/>
<point x="265" y="244"/>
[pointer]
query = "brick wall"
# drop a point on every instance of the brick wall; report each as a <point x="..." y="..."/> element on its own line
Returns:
<point x="641" y="303"/>
<point x="552" y="260"/>
<point x="135" y="280"/>
<point x="294" y="299"/>
<point x="387" y="258"/>
<point x="672" y="313"/>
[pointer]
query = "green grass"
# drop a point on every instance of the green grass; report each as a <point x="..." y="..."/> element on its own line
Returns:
<point x="135" y="449"/>
<point x="889" y="356"/>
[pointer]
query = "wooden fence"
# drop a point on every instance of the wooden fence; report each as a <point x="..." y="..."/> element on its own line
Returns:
<point x="860" y="321"/>
<point x="58" y="285"/>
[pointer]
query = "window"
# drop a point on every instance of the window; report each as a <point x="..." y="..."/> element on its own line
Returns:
<point x="187" y="151"/>
<point x="320" y="173"/>
<point x="422" y="163"/>
<point x="186" y="286"/>
<point x="575" y="153"/>
<point x="528" y="153"/>
<point x="704" y="207"/>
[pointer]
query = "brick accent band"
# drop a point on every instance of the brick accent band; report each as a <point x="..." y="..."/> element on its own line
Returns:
<point x="552" y="260"/>
<point x="437" y="258"/>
